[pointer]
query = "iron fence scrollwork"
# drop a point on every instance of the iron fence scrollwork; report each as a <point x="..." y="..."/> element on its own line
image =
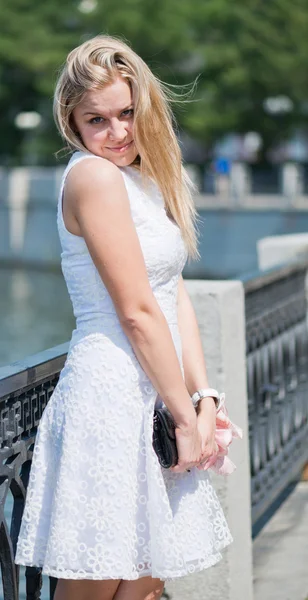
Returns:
<point x="20" y="411"/>
<point x="277" y="382"/>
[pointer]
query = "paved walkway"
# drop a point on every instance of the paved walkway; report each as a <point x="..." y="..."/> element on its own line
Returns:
<point x="280" y="551"/>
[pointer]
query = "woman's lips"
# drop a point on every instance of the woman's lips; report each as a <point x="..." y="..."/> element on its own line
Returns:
<point x="120" y="149"/>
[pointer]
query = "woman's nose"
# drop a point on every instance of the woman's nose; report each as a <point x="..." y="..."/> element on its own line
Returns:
<point x="117" y="130"/>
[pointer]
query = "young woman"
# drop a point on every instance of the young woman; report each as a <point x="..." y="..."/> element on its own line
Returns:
<point x="101" y="515"/>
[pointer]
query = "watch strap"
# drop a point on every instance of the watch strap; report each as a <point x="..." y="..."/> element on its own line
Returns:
<point x="205" y="393"/>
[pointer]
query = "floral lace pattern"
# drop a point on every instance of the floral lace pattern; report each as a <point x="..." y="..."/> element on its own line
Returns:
<point x="98" y="505"/>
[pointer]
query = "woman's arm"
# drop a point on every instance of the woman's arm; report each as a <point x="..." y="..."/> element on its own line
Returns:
<point x="96" y="194"/>
<point x="193" y="359"/>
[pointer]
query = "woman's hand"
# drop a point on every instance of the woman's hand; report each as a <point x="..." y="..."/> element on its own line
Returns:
<point x="189" y="443"/>
<point x="196" y="443"/>
<point x="206" y="423"/>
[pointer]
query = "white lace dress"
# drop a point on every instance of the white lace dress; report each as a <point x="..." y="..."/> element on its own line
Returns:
<point x="98" y="504"/>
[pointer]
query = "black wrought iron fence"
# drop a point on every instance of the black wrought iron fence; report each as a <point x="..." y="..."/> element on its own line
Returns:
<point x="277" y="377"/>
<point x="25" y="389"/>
<point x="277" y="380"/>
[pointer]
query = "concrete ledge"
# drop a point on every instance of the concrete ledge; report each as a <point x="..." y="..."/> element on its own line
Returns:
<point x="219" y="307"/>
<point x="278" y="249"/>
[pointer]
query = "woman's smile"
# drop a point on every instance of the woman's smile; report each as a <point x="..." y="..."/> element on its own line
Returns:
<point x="121" y="149"/>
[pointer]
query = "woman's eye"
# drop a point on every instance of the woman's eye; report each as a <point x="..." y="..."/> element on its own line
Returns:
<point x="128" y="112"/>
<point x="96" y="120"/>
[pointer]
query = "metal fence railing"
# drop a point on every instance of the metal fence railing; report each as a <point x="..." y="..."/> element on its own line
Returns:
<point x="25" y="389"/>
<point x="277" y="380"/>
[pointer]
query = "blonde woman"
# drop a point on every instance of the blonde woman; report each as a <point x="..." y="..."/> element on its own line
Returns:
<point x="101" y="515"/>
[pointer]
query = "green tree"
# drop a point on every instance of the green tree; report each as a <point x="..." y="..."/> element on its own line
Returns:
<point x="243" y="52"/>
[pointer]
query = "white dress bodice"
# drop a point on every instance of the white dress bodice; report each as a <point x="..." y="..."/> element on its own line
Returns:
<point x="161" y="243"/>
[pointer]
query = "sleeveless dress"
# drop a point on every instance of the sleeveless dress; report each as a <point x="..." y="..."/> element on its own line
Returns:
<point x="98" y="504"/>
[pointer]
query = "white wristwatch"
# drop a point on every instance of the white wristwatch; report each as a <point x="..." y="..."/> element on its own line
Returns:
<point x="204" y="393"/>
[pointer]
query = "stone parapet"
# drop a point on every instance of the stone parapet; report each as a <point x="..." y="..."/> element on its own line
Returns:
<point x="219" y="307"/>
<point x="279" y="249"/>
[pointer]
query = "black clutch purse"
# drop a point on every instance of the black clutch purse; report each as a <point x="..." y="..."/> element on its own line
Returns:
<point x="164" y="441"/>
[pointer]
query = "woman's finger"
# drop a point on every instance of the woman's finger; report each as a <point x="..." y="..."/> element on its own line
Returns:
<point x="208" y="452"/>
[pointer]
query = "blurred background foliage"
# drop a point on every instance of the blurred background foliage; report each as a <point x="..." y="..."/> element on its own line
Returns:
<point x="243" y="52"/>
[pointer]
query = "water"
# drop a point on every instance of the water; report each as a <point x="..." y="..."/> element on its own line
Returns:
<point x="228" y="240"/>
<point x="35" y="313"/>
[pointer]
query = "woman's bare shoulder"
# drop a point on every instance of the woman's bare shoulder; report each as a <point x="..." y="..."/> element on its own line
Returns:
<point x="92" y="171"/>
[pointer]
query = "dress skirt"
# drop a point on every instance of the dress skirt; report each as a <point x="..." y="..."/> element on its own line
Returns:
<point x="98" y="505"/>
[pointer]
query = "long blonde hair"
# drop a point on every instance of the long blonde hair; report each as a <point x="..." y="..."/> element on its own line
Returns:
<point x="98" y="62"/>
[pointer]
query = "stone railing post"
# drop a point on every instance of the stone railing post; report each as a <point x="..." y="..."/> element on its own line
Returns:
<point x="219" y="307"/>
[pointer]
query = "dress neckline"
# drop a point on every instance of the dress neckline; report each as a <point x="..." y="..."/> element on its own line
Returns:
<point x="88" y="153"/>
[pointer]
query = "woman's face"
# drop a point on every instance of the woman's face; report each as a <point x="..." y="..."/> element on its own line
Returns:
<point x="104" y="119"/>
